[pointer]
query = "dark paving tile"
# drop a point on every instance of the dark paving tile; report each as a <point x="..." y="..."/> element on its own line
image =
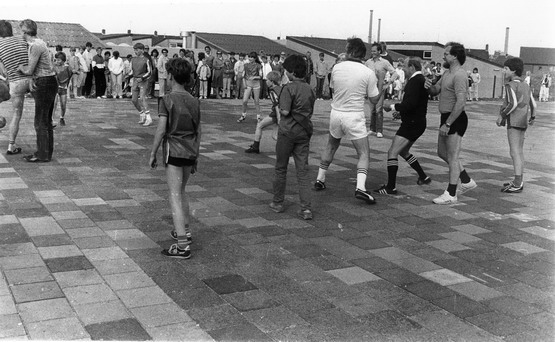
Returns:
<point x="217" y="317"/>
<point x="124" y="330"/>
<point x="13" y="233"/>
<point x="74" y="263"/>
<point x="229" y="284"/>
<point x="390" y="321"/>
<point x="498" y="324"/>
<point x="250" y="300"/>
<point x="307" y="250"/>
<point x="374" y="264"/>
<point x="429" y="290"/>
<point x="243" y="332"/>
<point x="399" y="276"/>
<point x="269" y="231"/>
<point x="328" y="262"/>
<point x="461" y="306"/>
<point x="52" y="240"/>
<point x="368" y="243"/>
<point x="511" y="306"/>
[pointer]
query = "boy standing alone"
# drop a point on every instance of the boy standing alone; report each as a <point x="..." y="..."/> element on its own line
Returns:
<point x="296" y="105"/>
<point x="140" y="65"/>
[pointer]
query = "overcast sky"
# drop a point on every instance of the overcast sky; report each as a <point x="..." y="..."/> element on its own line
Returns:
<point x="474" y="23"/>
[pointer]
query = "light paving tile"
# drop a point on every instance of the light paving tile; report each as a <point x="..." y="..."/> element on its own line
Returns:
<point x="59" y="251"/>
<point x="11" y="326"/>
<point x="139" y="243"/>
<point x="144" y="296"/>
<point x="445" y="277"/>
<point x="89" y="201"/>
<point x="123" y="203"/>
<point x="161" y="314"/>
<point x="114" y="266"/>
<point x="523" y="247"/>
<point x="447" y="246"/>
<point x="353" y="275"/>
<point x="254" y="222"/>
<point x="28" y="275"/>
<point x="13" y="249"/>
<point x="460" y="237"/>
<point x="250" y="191"/>
<point x="69" y="215"/>
<point x="7" y="305"/>
<point x="36" y="226"/>
<point x="128" y="280"/>
<point x="106" y="253"/>
<point x="49" y="193"/>
<point x="89" y="294"/>
<point x="85" y="232"/>
<point x="471" y="229"/>
<point x="475" y="291"/>
<point x="122" y="234"/>
<point x="11" y="183"/>
<point x="179" y="332"/>
<point x="36" y="291"/>
<point x="58" y="329"/>
<point x="115" y="224"/>
<point x="105" y="311"/>
<point x="541" y="232"/>
<point x="44" y="310"/>
<point x="8" y="219"/>
<point x="391" y="253"/>
<point x="78" y="278"/>
<point x="54" y="200"/>
<point x="21" y="261"/>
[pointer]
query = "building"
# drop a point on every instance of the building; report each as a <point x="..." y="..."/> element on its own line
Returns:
<point x="539" y="61"/>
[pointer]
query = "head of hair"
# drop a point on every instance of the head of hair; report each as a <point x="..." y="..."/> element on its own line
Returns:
<point x="321" y="54"/>
<point x="207" y="48"/>
<point x="129" y="56"/>
<point x="107" y="53"/>
<point x="5" y="29"/>
<point x="201" y="56"/>
<point x="384" y="46"/>
<point x="182" y="50"/>
<point x="59" y="48"/>
<point x="242" y="54"/>
<point x="180" y="69"/>
<point x="116" y="54"/>
<point x="296" y="65"/>
<point x="139" y="46"/>
<point x="164" y="50"/>
<point x="432" y="63"/>
<point x="30" y="25"/>
<point x="60" y="55"/>
<point x="378" y="46"/>
<point x="72" y="49"/>
<point x="515" y="64"/>
<point x="457" y="50"/>
<point x="475" y="69"/>
<point x="99" y="49"/>
<point x="254" y="55"/>
<point x="416" y="62"/>
<point x="154" y="51"/>
<point x="356" y="47"/>
<point x="274" y="77"/>
<point x="88" y="44"/>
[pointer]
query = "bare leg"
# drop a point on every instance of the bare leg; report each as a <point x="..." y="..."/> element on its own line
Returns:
<point x="177" y="178"/>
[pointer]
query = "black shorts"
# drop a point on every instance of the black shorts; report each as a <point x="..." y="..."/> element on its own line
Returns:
<point x="62" y="91"/>
<point x="180" y="162"/>
<point x="411" y="130"/>
<point x="458" y="126"/>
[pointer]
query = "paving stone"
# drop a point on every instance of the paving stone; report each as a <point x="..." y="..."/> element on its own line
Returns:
<point x="447" y="246"/>
<point x="511" y="306"/>
<point x="189" y="331"/>
<point x="353" y="275"/>
<point x="143" y="296"/>
<point x="85" y="294"/>
<point x="7" y="305"/>
<point x="161" y="314"/>
<point x="389" y="321"/>
<point x="52" y="240"/>
<point x="104" y="253"/>
<point x="122" y="330"/>
<point x="391" y="253"/>
<point x="128" y="280"/>
<point x="416" y="265"/>
<point x="36" y="226"/>
<point x="229" y="284"/>
<point x="275" y="318"/>
<point x="399" y="276"/>
<point x="523" y="247"/>
<point x="28" y="275"/>
<point x="78" y="278"/>
<point x="497" y="324"/>
<point x="13" y="233"/>
<point x="359" y="305"/>
<point x="21" y="261"/>
<point x="15" y="249"/>
<point x="11" y="327"/>
<point x="36" y="291"/>
<point x="475" y="291"/>
<point x="63" y="251"/>
<point x="94" y="241"/>
<point x="68" y="264"/>
<point x="444" y="277"/>
<point x="461" y="306"/>
<point x="58" y="329"/>
<point x="115" y="266"/>
<point x="44" y="310"/>
<point x="250" y="300"/>
<point x="242" y="332"/>
<point x="217" y="317"/>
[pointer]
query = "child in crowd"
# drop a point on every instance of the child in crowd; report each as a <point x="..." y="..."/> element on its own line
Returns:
<point x="203" y="72"/>
<point x="179" y="132"/>
<point x="517" y="112"/>
<point x="274" y="89"/>
<point x="296" y="104"/>
<point x="229" y="73"/>
<point x="63" y="75"/>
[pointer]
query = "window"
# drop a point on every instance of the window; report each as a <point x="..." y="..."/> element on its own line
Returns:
<point x="427" y="54"/>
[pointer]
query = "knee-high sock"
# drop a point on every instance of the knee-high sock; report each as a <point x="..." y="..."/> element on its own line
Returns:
<point x="392" y="167"/>
<point x="322" y="171"/>
<point x="361" y="179"/>
<point x="413" y="162"/>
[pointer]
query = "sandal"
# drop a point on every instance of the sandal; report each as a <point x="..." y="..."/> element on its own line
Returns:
<point x="16" y="150"/>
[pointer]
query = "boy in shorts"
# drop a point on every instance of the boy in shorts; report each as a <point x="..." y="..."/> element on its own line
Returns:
<point x="63" y="75"/>
<point x="296" y="104"/>
<point x="517" y="112"/>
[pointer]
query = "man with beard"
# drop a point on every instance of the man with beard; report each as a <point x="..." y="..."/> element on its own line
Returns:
<point x="452" y="88"/>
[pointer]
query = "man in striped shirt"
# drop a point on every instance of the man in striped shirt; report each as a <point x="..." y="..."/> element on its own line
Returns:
<point x="13" y="52"/>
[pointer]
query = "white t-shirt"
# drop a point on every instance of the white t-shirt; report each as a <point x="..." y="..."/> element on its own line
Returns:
<point x="352" y="82"/>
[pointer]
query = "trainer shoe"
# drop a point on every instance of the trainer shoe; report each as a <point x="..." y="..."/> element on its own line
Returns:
<point x="188" y="235"/>
<point x="242" y="118"/>
<point x="512" y="188"/>
<point x="252" y="149"/>
<point x="148" y="121"/>
<point x="176" y="252"/>
<point x="365" y="196"/>
<point x="384" y="190"/>
<point x="319" y="185"/>
<point x="426" y="180"/>
<point x="277" y="207"/>
<point x="445" y="198"/>
<point x="464" y="187"/>
<point x="142" y="118"/>
<point x="305" y="214"/>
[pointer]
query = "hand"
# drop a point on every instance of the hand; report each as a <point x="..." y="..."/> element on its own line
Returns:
<point x="531" y="120"/>
<point x="152" y="162"/>
<point x="194" y="167"/>
<point x="387" y="105"/>
<point x="428" y="83"/>
<point x="31" y="85"/>
<point x="499" y="121"/>
<point x="443" y="130"/>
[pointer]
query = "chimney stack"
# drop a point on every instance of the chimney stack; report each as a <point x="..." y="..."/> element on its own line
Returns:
<point x="128" y="31"/>
<point x="155" y="33"/>
<point x="506" y="51"/>
<point x="379" y="28"/>
<point x="103" y="31"/>
<point x="487" y="48"/>
<point x="370" y="28"/>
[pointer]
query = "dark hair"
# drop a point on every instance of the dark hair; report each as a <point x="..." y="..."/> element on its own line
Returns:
<point x="254" y="55"/>
<point x="416" y="62"/>
<point x="30" y="25"/>
<point x="515" y="64"/>
<point x="59" y="48"/>
<point x="296" y="65"/>
<point x="61" y="56"/>
<point x="116" y="54"/>
<point x="107" y="53"/>
<point x="356" y="47"/>
<point x="201" y="56"/>
<point x="5" y="29"/>
<point x="384" y="46"/>
<point x="183" y="50"/>
<point x="274" y="77"/>
<point x="88" y="44"/>
<point x="129" y="56"/>
<point x="475" y="69"/>
<point x="242" y="54"/>
<point x="321" y="54"/>
<point x="153" y="51"/>
<point x="458" y="51"/>
<point x="180" y="69"/>
<point x="378" y="46"/>
<point x="164" y="49"/>
<point x="207" y="47"/>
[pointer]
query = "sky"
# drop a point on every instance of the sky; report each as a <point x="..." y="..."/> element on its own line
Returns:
<point x="474" y="23"/>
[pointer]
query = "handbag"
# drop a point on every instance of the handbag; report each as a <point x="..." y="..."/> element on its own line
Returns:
<point x="4" y="90"/>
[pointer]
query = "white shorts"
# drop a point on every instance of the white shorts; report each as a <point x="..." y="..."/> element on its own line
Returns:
<point x="349" y="125"/>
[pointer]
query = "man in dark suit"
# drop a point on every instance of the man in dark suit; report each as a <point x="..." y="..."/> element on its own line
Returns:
<point x="413" y="124"/>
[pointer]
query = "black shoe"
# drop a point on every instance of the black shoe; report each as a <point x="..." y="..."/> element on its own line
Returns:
<point x="62" y="122"/>
<point x="384" y="190"/>
<point x="188" y="235"/>
<point x="365" y="196"/>
<point x="33" y="159"/>
<point x="305" y="214"/>
<point x="252" y="149"/>
<point x="426" y="180"/>
<point x="16" y="150"/>
<point x="179" y="253"/>
<point x="319" y="185"/>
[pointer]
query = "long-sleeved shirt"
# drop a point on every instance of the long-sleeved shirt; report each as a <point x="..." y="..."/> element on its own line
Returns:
<point x="518" y="104"/>
<point x="380" y="67"/>
<point x="115" y="65"/>
<point x="321" y="69"/>
<point x="239" y="68"/>
<point x="266" y="68"/>
<point x="88" y="57"/>
<point x="161" y="66"/>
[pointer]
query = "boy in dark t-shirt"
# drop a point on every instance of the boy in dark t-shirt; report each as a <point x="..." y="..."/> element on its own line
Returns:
<point x="296" y="104"/>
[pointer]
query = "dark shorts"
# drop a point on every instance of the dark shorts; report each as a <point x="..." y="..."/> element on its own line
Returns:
<point x="412" y="130"/>
<point x="458" y="126"/>
<point x="62" y="91"/>
<point x="180" y="162"/>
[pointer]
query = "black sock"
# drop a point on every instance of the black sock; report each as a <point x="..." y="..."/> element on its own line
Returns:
<point x="392" y="167"/>
<point x="413" y="162"/>
<point x="256" y="145"/>
<point x="465" y="178"/>
<point x="452" y="189"/>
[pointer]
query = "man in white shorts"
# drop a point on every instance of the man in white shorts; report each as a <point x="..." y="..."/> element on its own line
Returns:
<point x="352" y="83"/>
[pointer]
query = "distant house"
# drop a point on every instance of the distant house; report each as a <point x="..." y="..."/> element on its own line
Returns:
<point x="237" y="43"/>
<point x="535" y="57"/>
<point x="65" y="34"/>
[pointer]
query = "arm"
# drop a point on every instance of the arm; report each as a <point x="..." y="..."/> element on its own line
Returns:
<point x="372" y="90"/>
<point x="34" y="57"/>
<point x="410" y="99"/>
<point x="160" y="131"/>
<point x="433" y="89"/>
<point x="285" y="102"/>
<point x="532" y="105"/>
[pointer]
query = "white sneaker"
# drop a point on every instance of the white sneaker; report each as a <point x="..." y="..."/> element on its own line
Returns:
<point x="445" y="198"/>
<point x="379" y="135"/>
<point x="464" y="187"/>
<point x="258" y="117"/>
<point x="148" y="121"/>
<point x="143" y="118"/>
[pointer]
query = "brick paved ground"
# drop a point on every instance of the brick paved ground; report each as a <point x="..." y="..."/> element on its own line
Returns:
<point x="80" y="239"/>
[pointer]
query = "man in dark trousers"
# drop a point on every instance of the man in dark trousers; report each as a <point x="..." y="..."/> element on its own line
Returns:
<point x="413" y="124"/>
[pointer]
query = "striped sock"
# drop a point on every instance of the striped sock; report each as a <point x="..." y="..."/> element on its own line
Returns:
<point x="413" y="162"/>
<point x="322" y="171"/>
<point x="361" y="179"/>
<point x="392" y="167"/>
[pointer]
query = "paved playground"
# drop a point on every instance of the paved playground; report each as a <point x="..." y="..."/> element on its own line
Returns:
<point x="80" y="238"/>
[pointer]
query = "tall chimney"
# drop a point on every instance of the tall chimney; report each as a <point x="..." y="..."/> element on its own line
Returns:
<point x="370" y="28"/>
<point x="379" y="28"/>
<point x="155" y="33"/>
<point x="506" y="51"/>
<point x="487" y="47"/>
<point x="128" y="31"/>
<point x="103" y="31"/>
<point x="193" y="40"/>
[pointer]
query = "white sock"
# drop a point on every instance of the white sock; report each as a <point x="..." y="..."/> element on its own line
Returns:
<point x="361" y="179"/>
<point x="321" y="175"/>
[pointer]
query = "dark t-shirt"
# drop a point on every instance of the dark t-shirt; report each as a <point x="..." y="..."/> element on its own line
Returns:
<point x="298" y="98"/>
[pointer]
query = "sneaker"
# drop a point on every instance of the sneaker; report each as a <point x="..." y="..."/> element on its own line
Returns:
<point x="179" y="253"/>
<point x="142" y="119"/>
<point x="365" y="196"/>
<point x="277" y="207"/>
<point x="426" y="180"/>
<point x="242" y="118"/>
<point x="54" y="125"/>
<point x="148" y="121"/>
<point x="512" y="188"/>
<point x="188" y="235"/>
<point x="305" y="214"/>
<point x="252" y="149"/>
<point x="258" y="117"/>
<point x="445" y="198"/>
<point x="62" y="122"/>
<point x="384" y="190"/>
<point x="379" y="135"/>
<point x="319" y="185"/>
<point x="464" y="187"/>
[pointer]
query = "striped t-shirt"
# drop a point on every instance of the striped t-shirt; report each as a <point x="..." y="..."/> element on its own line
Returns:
<point x="13" y="53"/>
